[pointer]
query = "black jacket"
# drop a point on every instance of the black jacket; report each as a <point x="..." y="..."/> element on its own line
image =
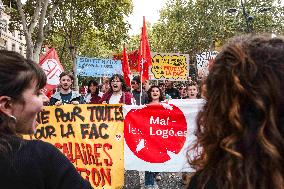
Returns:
<point x="37" y="165"/>
<point x="144" y="97"/>
<point x="173" y="92"/>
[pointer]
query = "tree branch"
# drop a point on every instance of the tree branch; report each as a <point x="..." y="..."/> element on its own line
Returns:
<point x="43" y="29"/>
<point x="41" y="19"/>
<point x="40" y="34"/>
<point x="41" y="25"/>
<point x="64" y="26"/>
<point x="22" y="15"/>
<point x="50" y="16"/>
<point x="35" y="16"/>
<point x="80" y="34"/>
<point x="28" y="35"/>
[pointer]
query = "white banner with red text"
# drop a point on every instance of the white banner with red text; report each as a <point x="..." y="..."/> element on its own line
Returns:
<point x="158" y="136"/>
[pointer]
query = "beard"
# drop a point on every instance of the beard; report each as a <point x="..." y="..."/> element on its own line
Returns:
<point x="66" y="87"/>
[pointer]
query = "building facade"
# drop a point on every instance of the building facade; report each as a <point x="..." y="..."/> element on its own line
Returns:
<point x="13" y="41"/>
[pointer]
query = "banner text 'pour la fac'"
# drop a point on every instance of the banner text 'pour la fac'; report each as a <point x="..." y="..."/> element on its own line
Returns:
<point x="90" y="136"/>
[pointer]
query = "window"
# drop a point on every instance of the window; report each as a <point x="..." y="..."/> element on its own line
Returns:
<point x="3" y="25"/>
<point x="2" y="46"/>
<point x="20" y="50"/>
<point x="13" y="47"/>
<point x="5" y="45"/>
<point x="14" y="33"/>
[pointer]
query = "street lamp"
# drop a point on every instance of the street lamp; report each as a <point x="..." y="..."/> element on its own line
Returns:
<point x="248" y="18"/>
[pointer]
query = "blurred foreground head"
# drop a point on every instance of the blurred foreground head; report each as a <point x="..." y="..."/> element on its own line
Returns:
<point x="21" y="94"/>
<point x="240" y="132"/>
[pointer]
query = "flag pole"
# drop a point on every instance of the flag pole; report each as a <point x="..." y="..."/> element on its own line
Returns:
<point x="141" y="87"/>
<point x="142" y="62"/>
<point x="142" y="57"/>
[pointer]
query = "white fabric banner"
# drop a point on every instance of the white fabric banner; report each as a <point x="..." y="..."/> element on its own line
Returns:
<point x="158" y="136"/>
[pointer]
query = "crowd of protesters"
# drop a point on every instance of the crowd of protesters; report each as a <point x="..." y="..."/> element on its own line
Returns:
<point x="114" y="90"/>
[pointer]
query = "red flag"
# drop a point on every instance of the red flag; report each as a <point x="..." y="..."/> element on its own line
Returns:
<point x="144" y="55"/>
<point x="51" y="66"/>
<point x="132" y="59"/>
<point x="125" y="67"/>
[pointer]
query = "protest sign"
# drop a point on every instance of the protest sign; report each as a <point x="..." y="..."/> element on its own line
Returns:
<point x="90" y="136"/>
<point x="204" y="61"/>
<point x="96" y="67"/>
<point x="157" y="136"/>
<point x="170" y="66"/>
<point x="52" y="68"/>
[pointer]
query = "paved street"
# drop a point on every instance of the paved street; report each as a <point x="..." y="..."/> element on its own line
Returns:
<point x="169" y="181"/>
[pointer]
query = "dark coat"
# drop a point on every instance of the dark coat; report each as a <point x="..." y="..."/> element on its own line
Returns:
<point x="34" y="164"/>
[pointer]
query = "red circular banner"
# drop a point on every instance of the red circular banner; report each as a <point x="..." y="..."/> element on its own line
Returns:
<point x="154" y="131"/>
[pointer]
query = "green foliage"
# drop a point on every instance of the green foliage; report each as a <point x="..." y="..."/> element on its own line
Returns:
<point x="189" y="26"/>
<point x="95" y="28"/>
<point x="134" y="42"/>
<point x="91" y="45"/>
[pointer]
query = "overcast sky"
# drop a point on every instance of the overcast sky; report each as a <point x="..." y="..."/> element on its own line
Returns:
<point x="149" y="9"/>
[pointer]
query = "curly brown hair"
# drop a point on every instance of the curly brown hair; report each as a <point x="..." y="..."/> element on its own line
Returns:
<point x="240" y="130"/>
<point x="161" y="97"/>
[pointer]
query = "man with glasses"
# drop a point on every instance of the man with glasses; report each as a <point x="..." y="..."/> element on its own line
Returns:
<point x="171" y="90"/>
<point x="117" y="94"/>
<point x="136" y="86"/>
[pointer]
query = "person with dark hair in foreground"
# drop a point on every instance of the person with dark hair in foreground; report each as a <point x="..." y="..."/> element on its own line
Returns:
<point x="28" y="164"/>
<point x="240" y="130"/>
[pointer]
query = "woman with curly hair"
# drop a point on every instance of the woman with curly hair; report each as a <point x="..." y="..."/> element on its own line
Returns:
<point x="155" y="95"/>
<point x="240" y="130"/>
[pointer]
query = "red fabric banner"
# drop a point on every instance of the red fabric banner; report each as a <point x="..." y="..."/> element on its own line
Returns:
<point x="132" y="60"/>
<point x="125" y="67"/>
<point x="144" y="55"/>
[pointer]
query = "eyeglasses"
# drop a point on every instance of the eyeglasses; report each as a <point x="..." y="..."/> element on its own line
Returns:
<point x="115" y="81"/>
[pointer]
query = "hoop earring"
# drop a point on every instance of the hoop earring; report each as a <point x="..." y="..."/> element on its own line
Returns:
<point x="13" y="118"/>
